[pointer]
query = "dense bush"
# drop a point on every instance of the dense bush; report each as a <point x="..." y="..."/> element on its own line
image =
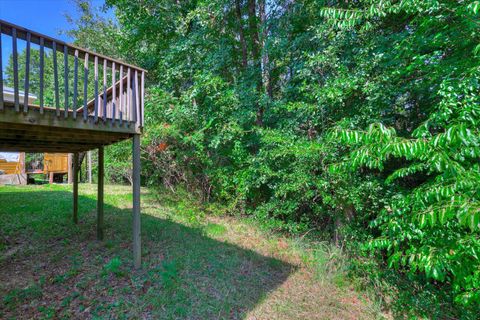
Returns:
<point x="358" y="118"/>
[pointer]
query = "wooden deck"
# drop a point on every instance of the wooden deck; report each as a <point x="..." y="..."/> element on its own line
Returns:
<point x="70" y="100"/>
<point x="96" y="108"/>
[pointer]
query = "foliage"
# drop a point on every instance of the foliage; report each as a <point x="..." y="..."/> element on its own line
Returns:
<point x="359" y="119"/>
<point x="433" y="226"/>
<point x="431" y="223"/>
<point x="114" y="266"/>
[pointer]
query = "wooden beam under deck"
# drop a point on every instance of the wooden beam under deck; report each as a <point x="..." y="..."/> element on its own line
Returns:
<point x="36" y="132"/>
<point x="49" y="119"/>
<point x="44" y="148"/>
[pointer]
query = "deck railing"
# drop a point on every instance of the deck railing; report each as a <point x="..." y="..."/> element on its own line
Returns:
<point x="107" y="90"/>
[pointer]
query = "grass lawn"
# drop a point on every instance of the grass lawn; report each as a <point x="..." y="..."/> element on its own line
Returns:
<point x="195" y="265"/>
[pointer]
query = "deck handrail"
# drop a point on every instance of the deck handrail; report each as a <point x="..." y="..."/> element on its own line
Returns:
<point x="114" y="102"/>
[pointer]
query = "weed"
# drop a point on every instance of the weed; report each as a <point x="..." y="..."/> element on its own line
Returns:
<point x="48" y="312"/>
<point x="114" y="266"/>
<point x="17" y="296"/>
<point x="190" y="214"/>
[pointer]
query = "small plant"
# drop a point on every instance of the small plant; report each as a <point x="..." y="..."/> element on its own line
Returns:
<point x="48" y="312"/>
<point x="190" y="213"/>
<point x="113" y="267"/>
<point x="20" y="295"/>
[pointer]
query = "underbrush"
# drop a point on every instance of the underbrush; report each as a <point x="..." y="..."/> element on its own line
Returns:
<point x="395" y="293"/>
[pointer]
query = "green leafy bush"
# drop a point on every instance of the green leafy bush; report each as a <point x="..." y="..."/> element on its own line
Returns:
<point x="434" y="225"/>
<point x="355" y="121"/>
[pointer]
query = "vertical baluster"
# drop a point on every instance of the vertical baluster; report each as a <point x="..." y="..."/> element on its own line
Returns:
<point x="129" y="100"/>
<point x="65" y="77"/>
<point x="27" y="73"/>
<point x="134" y="100"/>
<point x="75" y="84"/>
<point x="1" y="71"/>
<point x="104" y="114"/>
<point x="55" y="78"/>
<point x="121" y="108"/>
<point x="117" y="103"/>
<point x="100" y="105"/>
<point x="96" y="89"/>
<point x="42" y="52"/>
<point x="143" y="99"/>
<point x="137" y="102"/>
<point x="85" y="87"/>
<point x="15" y="69"/>
<point x="114" y="92"/>
<point x="125" y="99"/>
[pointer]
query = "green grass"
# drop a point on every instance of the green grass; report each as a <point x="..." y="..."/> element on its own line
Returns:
<point x="195" y="265"/>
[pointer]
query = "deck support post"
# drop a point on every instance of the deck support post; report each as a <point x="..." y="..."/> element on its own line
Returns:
<point x="69" y="170"/>
<point x="100" y="194"/>
<point x="75" y="187"/>
<point x="89" y="158"/>
<point x="137" y="252"/>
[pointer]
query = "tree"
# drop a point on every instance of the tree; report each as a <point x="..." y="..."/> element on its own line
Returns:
<point x="252" y="102"/>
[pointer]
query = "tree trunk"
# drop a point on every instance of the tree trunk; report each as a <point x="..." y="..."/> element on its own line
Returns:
<point x="348" y="215"/>
<point x="243" y="44"/>
<point x="257" y="65"/>
<point x="252" y="24"/>
<point x="266" y="78"/>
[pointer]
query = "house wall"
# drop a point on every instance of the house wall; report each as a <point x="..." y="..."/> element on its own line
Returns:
<point x="55" y="163"/>
<point x="12" y="165"/>
<point x="12" y="162"/>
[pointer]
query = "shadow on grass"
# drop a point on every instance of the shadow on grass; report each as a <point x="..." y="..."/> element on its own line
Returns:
<point x="52" y="268"/>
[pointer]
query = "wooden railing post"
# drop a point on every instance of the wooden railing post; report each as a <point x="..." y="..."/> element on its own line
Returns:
<point x="96" y="90"/>
<point x="85" y="88"/>
<point x="120" y="105"/>
<point x="55" y="78"/>
<point x="15" y="70"/>
<point x="129" y="98"/>
<point x="138" y="116"/>
<point x="65" y="78"/>
<point x="143" y="98"/>
<point x="114" y="93"/>
<point x="42" y="52"/>
<point x="75" y="85"/>
<point x="104" y="112"/>
<point x="27" y="74"/>
<point x="134" y="99"/>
